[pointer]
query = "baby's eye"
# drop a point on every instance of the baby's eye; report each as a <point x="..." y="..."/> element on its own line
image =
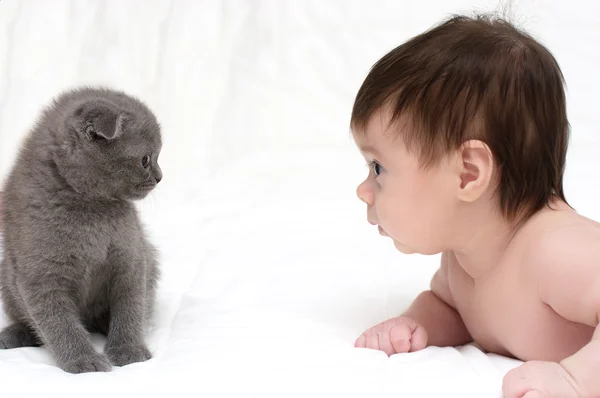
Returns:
<point x="146" y="161"/>
<point x="376" y="167"/>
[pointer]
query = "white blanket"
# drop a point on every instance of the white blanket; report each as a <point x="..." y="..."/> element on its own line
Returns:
<point x="270" y="268"/>
<point x="267" y="285"/>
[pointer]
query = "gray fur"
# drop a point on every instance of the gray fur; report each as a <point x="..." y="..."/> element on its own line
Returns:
<point x="76" y="259"/>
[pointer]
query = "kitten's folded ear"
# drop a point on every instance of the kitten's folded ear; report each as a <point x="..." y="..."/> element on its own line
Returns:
<point x="101" y="119"/>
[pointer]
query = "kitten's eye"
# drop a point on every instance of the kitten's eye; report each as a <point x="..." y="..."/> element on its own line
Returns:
<point x="146" y="161"/>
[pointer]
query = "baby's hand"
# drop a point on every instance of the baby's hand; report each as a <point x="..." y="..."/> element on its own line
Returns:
<point x="394" y="336"/>
<point x="537" y="379"/>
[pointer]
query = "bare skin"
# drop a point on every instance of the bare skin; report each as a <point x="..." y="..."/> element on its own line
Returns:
<point x="502" y="311"/>
<point x="529" y="291"/>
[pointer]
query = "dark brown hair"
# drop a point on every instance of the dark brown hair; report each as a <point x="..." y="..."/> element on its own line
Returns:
<point x="478" y="78"/>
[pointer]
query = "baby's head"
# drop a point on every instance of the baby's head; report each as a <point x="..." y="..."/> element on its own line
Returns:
<point x="467" y="116"/>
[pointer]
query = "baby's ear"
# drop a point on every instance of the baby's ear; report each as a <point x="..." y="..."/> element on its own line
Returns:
<point x="100" y="119"/>
<point x="476" y="169"/>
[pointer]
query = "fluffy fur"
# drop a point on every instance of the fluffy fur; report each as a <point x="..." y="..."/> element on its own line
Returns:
<point x="75" y="256"/>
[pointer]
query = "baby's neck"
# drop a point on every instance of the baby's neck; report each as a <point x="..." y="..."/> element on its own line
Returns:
<point x="483" y="239"/>
<point x="485" y="236"/>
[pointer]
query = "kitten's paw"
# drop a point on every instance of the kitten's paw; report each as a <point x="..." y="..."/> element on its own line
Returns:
<point x="125" y="354"/>
<point x="89" y="363"/>
<point x="17" y="335"/>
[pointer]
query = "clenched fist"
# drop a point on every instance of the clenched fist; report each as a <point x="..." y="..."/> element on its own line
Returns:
<point x="396" y="335"/>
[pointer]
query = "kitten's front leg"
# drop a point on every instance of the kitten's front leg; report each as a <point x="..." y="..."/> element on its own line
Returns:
<point x="125" y="342"/>
<point x="56" y="318"/>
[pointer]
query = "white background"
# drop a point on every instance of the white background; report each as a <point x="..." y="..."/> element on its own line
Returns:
<point x="270" y="268"/>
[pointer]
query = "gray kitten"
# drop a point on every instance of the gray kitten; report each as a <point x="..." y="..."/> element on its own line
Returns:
<point x="75" y="256"/>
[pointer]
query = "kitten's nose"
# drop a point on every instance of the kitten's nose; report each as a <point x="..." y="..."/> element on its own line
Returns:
<point x="158" y="175"/>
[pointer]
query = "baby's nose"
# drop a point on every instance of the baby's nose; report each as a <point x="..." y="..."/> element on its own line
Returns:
<point x="364" y="193"/>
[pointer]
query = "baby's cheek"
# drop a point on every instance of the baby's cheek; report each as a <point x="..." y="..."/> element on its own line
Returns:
<point x="404" y="217"/>
<point x="398" y="225"/>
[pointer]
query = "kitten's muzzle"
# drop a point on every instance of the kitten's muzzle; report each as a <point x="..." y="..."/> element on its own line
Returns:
<point x="148" y="185"/>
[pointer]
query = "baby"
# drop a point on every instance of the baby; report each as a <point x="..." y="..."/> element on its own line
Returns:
<point x="465" y="131"/>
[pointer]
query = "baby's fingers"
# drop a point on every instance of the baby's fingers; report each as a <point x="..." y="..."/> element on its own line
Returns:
<point x="408" y="337"/>
<point x="399" y="336"/>
<point x="361" y="342"/>
<point x="367" y="340"/>
<point x="372" y="341"/>
<point x="418" y="340"/>
<point x="385" y="344"/>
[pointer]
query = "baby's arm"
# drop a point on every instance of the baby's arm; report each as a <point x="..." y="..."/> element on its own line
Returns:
<point x="566" y="273"/>
<point x="433" y="310"/>
<point x="567" y="268"/>
<point x="430" y="320"/>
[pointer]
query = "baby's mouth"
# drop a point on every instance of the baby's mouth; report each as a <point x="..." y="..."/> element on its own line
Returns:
<point x="381" y="231"/>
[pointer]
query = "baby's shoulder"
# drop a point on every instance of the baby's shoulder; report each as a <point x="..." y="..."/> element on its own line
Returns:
<point x="560" y="242"/>
<point x="561" y="260"/>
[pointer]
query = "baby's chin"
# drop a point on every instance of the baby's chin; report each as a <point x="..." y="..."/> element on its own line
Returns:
<point x="408" y="249"/>
<point x="401" y="247"/>
<point x="422" y="250"/>
<point x="404" y="249"/>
